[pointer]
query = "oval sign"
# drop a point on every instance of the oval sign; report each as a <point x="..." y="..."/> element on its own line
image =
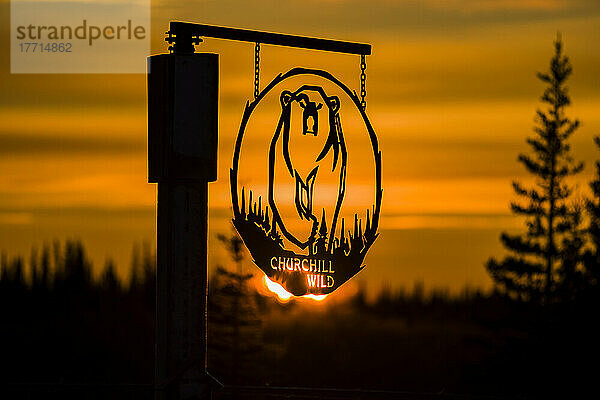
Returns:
<point x="310" y="251"/>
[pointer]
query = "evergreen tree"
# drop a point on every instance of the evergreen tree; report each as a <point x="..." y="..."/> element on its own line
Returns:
<point x="531" y="269"/>
<point x="77" y="268"/>
<point x="33" y="269"/>
<point x="45" y="264"/>
<point x="234" y="325"/>
<point x="149" y="273"/>
<point x="321" y="241"/>
<point x="18" y="277"/>
<point x="135" y="276"/>
<point x="109" y="281"/>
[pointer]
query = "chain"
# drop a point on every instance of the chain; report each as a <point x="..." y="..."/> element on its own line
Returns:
<point x="256" y="69"/>
<point x="363" y="81"/>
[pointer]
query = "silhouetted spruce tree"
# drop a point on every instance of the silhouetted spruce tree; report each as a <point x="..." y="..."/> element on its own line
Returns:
<point x="321" y="241"/>
<point x="109" y="281"/>
<point x="45" y="265"/>
<point x="77" y="269"/>
<point x="135" y="274"/>
<point x="234" y="326"/>
<point x="530" y="270"/>
<point x="33" y="268"/>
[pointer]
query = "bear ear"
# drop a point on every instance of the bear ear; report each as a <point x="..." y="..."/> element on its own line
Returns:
<point x="285" y="98"/>
<point x="334" y="103"/>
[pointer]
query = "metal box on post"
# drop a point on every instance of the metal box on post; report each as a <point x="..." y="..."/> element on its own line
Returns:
<point x="183" y="99"/>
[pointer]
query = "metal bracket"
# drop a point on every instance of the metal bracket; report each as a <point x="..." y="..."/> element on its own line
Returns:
<point x="182" y="43"/>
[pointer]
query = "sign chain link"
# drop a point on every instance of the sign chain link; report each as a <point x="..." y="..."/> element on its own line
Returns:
<point x="256" y="69"/>
<point x="363" y="81"/>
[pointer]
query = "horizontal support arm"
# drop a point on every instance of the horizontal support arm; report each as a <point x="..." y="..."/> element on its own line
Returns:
<point x="184" y="31"/>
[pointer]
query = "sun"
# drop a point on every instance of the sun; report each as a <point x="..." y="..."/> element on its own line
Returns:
<point x="284" y="295"/>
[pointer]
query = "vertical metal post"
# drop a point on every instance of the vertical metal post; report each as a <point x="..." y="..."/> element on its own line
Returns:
<point x="182" y="159"/>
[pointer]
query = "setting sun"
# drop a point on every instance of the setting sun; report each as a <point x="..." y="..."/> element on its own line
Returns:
<point x="284" y="295"/>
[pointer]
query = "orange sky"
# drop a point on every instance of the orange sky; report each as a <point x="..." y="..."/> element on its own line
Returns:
<point x="451" y="93"/>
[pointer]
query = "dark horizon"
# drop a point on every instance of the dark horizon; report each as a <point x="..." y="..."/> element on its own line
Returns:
<point x="474" y="344"/>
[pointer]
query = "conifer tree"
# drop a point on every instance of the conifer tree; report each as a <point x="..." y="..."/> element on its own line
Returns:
<point x="33" y="270"/>
<point x="110" y="281"/>
<point x="45" y="265"/>
<point x="531" y="269"/>
<point x="234" y="325"/>
<point x="321" y="241"/>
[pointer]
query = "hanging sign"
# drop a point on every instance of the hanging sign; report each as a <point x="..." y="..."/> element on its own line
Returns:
<point x="330" y="250"/>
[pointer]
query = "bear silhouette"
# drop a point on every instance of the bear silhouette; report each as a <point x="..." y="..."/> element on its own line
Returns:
<point x="306" y="164"/>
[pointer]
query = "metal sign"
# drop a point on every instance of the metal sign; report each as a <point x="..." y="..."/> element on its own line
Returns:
<point x="331" y="250"/>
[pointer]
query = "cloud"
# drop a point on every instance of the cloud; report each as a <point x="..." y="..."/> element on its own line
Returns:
<point x="352" y="18"/>
<point x="16" y="218"/>
<point x="11" y="145"/>
<point x="499" y="5"/>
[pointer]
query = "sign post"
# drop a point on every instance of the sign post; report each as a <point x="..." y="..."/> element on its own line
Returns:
<point x="182" y="159"/>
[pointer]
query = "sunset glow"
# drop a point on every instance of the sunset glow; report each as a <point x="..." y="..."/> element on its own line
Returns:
<point x="284" y="295"/>
<point x="451" y="91"/>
